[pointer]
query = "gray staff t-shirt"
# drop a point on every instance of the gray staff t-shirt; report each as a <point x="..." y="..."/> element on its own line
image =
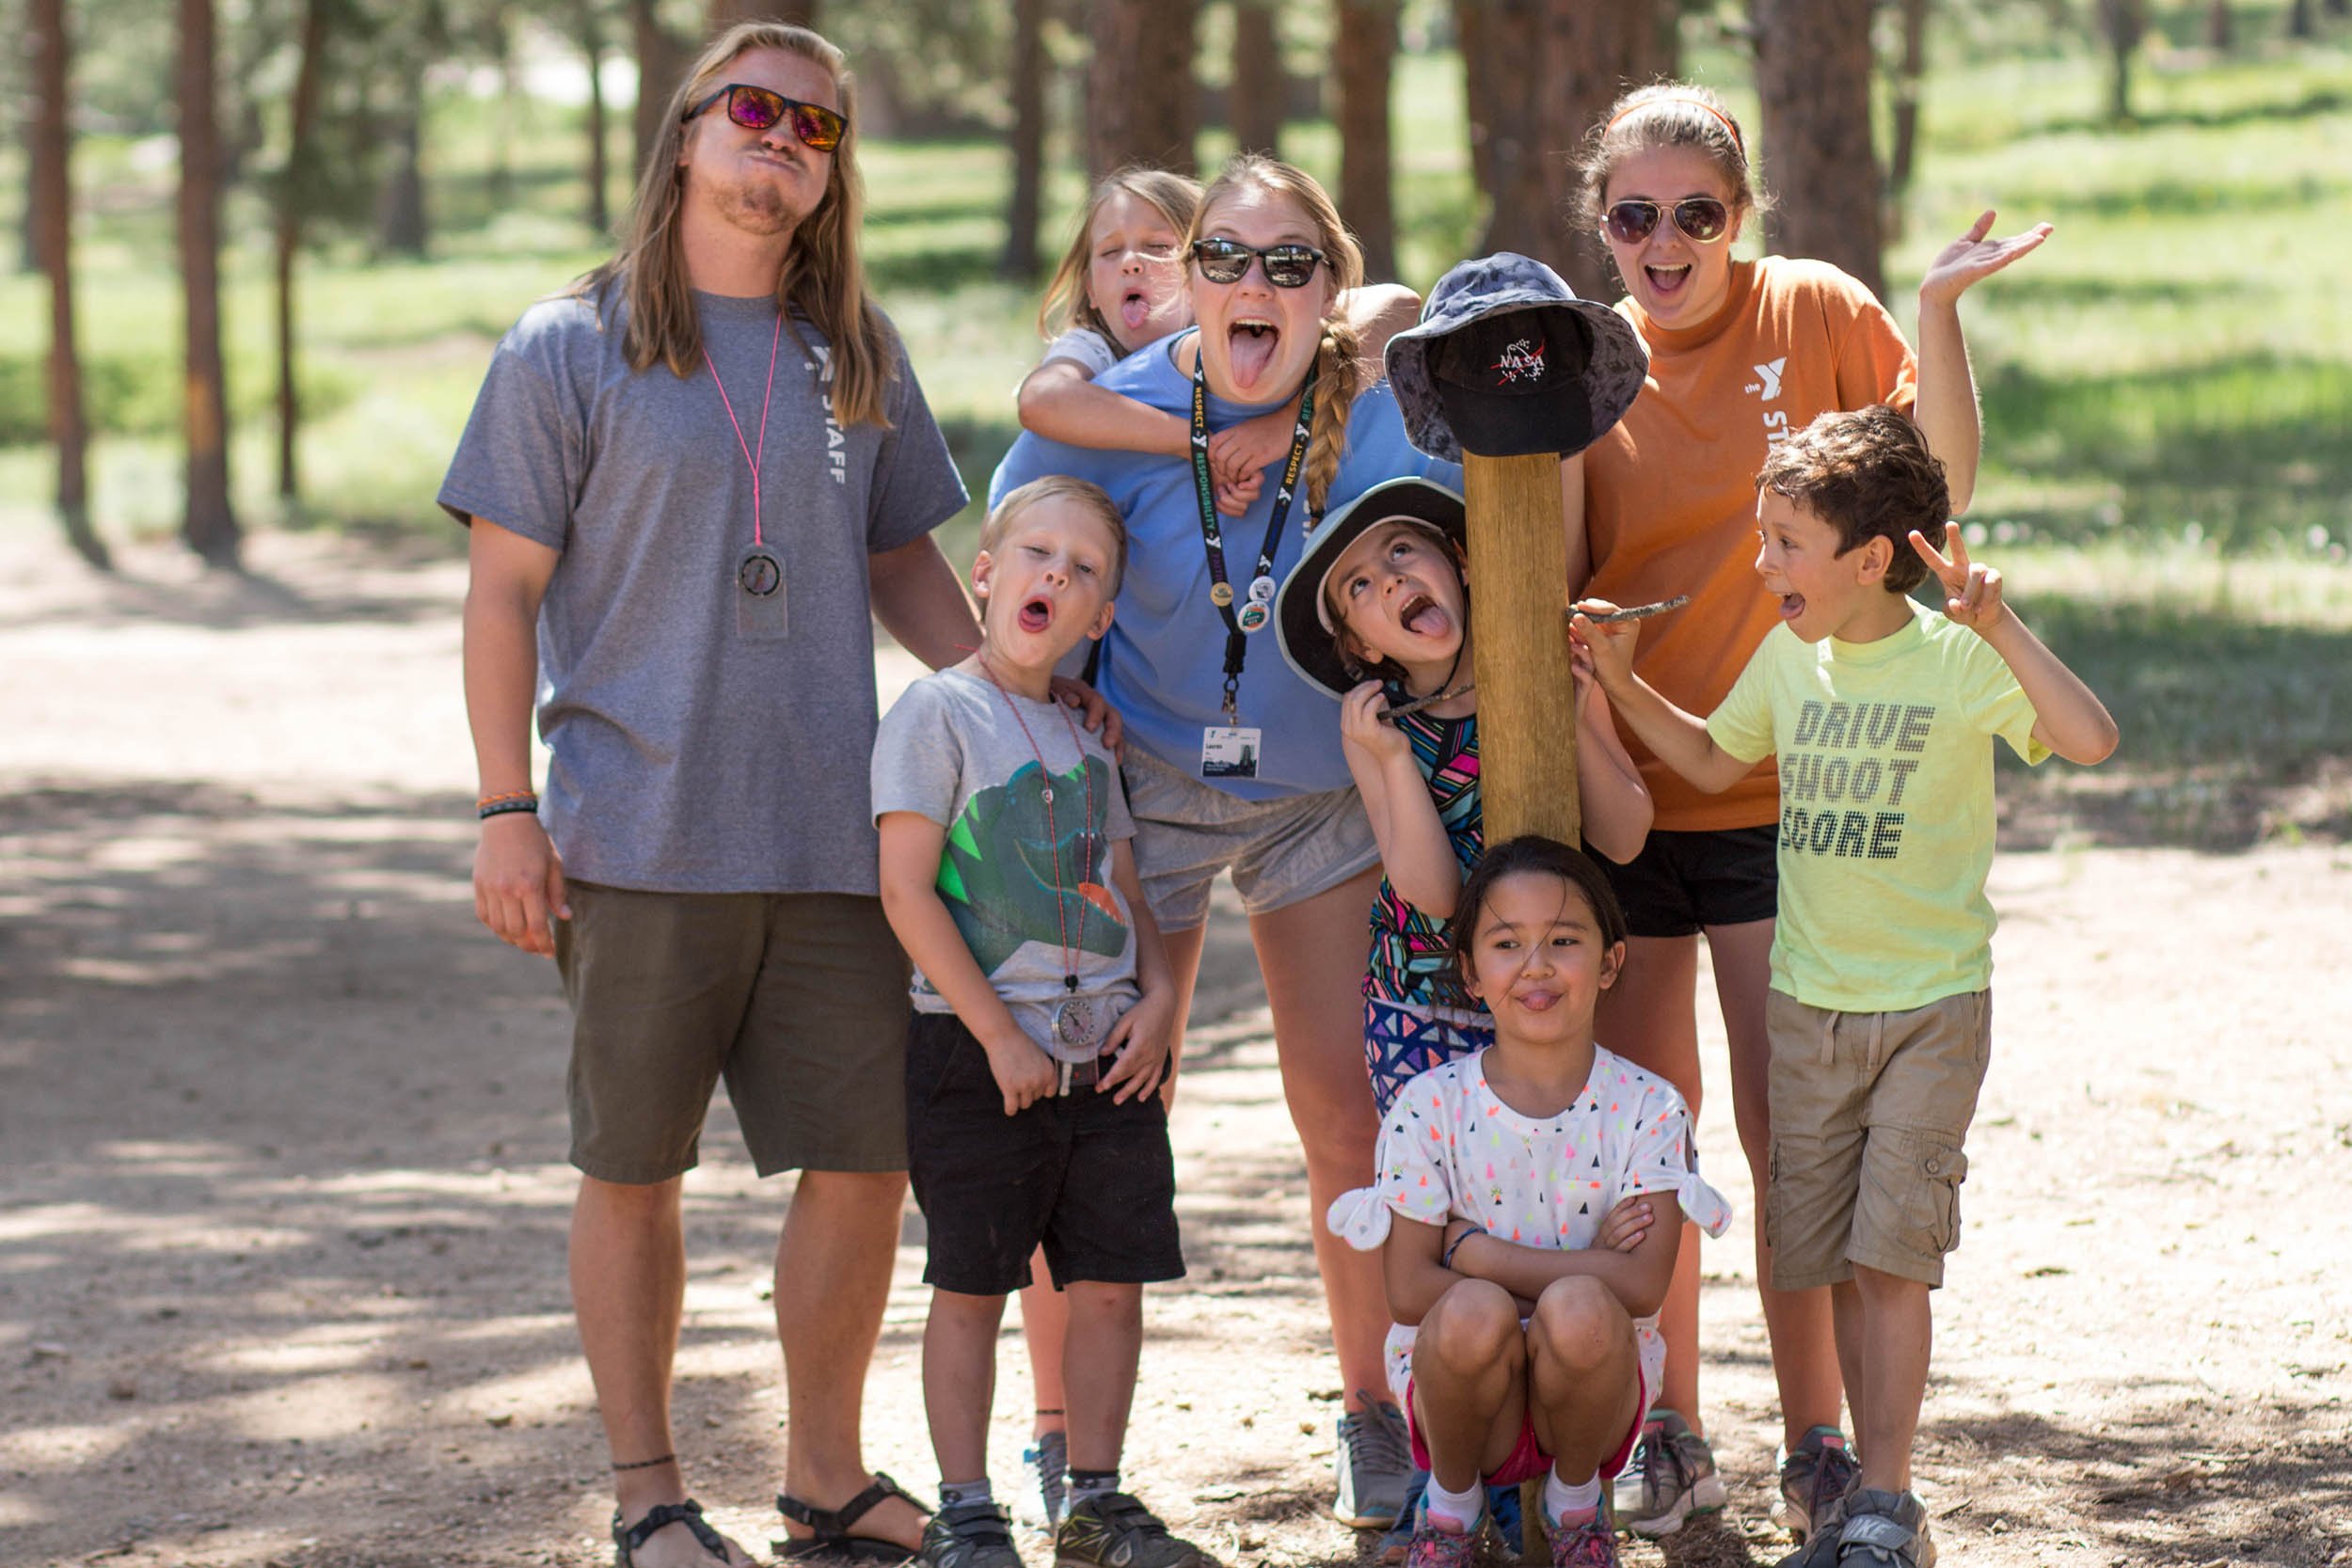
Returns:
<point x="689" y="758"/>
<point x="1026" y="871"/>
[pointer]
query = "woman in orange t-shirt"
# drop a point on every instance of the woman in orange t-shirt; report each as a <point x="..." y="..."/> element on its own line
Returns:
<point x="1742" y="353"/>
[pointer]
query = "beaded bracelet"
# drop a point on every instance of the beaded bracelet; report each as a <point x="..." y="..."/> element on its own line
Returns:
<point x="498" y="805"/>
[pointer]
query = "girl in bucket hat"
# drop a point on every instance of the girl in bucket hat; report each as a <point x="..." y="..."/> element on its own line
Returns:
<point x="1376" y="612"/>
<point x="1741" y="355"/>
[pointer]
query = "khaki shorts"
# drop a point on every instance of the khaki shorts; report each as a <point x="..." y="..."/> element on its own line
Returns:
<point x="1280" y="852"/>
<point x="798" y="1000"/>
<point x="1868" y="1112"/>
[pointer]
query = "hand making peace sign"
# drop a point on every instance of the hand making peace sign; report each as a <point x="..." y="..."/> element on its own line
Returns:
<point x="1971" y="590"/>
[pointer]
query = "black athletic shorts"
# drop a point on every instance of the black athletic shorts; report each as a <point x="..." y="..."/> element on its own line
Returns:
<point x="1680" y="882"/>
<point x="1091" y="1179"/>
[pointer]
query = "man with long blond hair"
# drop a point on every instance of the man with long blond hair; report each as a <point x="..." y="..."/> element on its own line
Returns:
<point x="688" y="480"/>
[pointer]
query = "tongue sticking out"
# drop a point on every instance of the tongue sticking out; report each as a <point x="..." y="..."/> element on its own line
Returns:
<point x="1426" y="618"/>
<point x="1791" y="606"/>
<point x="1667" y="281"/>
<point x="1133" y="311"/>
<point x="1036" y="615"/>
<point x="1250" y="350"/>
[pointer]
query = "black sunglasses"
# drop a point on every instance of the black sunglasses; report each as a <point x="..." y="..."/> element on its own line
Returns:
<point x="1700" y="218"/>
<point x="754" y="108"/>
<point x="1287" y="266"/>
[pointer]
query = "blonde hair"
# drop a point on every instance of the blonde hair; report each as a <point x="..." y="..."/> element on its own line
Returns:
<point x="1338" y="357"/>
<point x="821" y="274"/>
<point x="1667" y="113"/>
<point x="1083" y="493"/>
<point x="1174" y="196"/>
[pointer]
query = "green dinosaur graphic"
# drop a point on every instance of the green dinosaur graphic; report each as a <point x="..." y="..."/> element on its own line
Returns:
<point x="998" y="873"/>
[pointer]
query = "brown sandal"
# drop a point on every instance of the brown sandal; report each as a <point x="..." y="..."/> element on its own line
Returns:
<point x="833" y="1537"/>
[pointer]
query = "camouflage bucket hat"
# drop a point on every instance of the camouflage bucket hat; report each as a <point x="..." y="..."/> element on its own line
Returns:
<point x="1508" y="361"/>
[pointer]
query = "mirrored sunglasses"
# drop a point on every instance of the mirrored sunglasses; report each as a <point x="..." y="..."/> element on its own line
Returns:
<point x="1701" y="218"/>
<point x="755" y="108"/>
<point x="1287" y="266"/>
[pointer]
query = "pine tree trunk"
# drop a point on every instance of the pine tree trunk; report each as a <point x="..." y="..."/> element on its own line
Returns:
<point x="722" y="14"/>
<point x="400" y="226"/>
<point x="1026" y="208"/>
<point x="291" y="193"/>
<point x="1142" y="97"/>
<point x="1255" y="102"/>
<point x="1584" y="50"/>
<point x="1909" y="74"/>
<point x="1470" y="33"/>
<point x="1363" y="49"/>
<point x="51" y="150"/>
<point x="661" y="59"/>
<point x="1511" y="35"/>
<point x="2121" y="23"/>
<point x="2221" y="26"/>
<point x="1813" y="77"/>
<point x="1595" y="49"/>
<point x="1663" y="60"/>
<point x="209" y="525"/>
<point x="2301" y="23"/>
<point x="599" y="173"/>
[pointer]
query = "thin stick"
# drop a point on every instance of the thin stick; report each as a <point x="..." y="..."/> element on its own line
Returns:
<point x="1641" y="612"/>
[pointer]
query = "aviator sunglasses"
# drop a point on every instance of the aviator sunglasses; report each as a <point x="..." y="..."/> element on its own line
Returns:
<point x="755" y="109"/>
<point x="1701" y="218"/>
<point x="1287" y="266"/>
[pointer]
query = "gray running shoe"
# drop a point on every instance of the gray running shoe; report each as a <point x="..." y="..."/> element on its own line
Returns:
<point x="1813" y="1476"/>
<point x="1885" y="1530"/>
<point x="1047" y="1462"/>
<point x="1671" y="1477"/>
<point x="1374" y="1463"/>
<point x="970" y="1535"/>
<point x="1114" y="1531"/>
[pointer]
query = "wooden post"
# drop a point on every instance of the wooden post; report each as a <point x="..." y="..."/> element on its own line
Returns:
<point x="1518" y="572"/>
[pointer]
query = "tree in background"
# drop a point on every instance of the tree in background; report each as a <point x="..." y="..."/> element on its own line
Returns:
<point x="1261" y="86"/>
<point x="209" y="525"/>
<point x="1143" y="98"/>
<point x="663" y="57"/>
<point x="48" y="51"/>
<point x="2221" y="26"/>
<point x="724" y="14"/>
<point x="2122" y="24"/>
<point x="588" y="23"/>
<point x="1026" y="208"/>
<point x="297" y="183"/>
<point x="1813" y="78"/>
<point x="1363" y="59"/>
<point x="1910" y="71"/>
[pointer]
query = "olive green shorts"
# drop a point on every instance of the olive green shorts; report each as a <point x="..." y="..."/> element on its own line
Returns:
<point x="1868" y="1112"/>
<point x="798" y="1000"/>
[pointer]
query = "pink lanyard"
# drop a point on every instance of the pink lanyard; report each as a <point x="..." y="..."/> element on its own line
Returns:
<point x="751" y="459"/>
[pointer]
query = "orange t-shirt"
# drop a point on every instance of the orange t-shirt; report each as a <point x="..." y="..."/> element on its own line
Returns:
<point x="1670" y="493"/>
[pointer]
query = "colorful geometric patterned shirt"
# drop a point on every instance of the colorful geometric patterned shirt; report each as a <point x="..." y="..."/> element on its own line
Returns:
<point x="1410" y="962"/>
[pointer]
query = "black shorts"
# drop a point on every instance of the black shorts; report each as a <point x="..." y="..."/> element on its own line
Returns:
<point x="1091" y="1179"/>
<point x="1680" y="882"/>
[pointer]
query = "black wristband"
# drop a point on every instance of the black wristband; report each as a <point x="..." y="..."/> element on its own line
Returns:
<point x="500" y="808"/>
<point x="1446" y="1261"/>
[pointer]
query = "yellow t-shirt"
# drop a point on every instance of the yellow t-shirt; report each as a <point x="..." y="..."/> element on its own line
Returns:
<point x="1670" y="491"/>
<point x="1885" y="753"/>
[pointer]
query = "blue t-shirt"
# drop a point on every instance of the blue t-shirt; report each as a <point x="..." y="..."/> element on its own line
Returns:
<point x="1163" y="664"/>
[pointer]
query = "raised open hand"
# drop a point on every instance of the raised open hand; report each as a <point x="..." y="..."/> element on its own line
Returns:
<point x="1971" y="590"/>
<point x="1972" y="257"/>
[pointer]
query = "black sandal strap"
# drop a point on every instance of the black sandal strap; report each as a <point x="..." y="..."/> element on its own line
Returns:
<point x="830" y="1522"/>
<point x="661" y="1516"/>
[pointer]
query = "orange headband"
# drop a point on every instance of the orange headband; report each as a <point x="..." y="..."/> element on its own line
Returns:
<point x="1694" y="102"/>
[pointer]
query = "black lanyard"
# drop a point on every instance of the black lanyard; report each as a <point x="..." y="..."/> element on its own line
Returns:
<point x="1212" y="534"/>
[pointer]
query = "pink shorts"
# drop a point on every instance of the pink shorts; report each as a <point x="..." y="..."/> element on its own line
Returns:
<point x="1527" y="1458"/>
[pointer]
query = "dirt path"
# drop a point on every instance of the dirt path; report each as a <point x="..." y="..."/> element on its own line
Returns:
<point x="282" y="1191"/>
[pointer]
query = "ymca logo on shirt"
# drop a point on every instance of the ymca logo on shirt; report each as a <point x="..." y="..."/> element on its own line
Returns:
<point x="1767" y="386"/>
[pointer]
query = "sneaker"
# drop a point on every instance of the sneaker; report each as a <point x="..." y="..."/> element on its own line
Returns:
<point x="1885" y="1530"/>
<point x="1588" y="1544"/>
<point x="1398" y="1539"/>
<point x="1813" y="1476"/>
<point x="1374" y="1463"/>
<point x="1433" y="1547"/>
<point x="1114" y="1531"/>
<point x="1671" y="1477"/>
<point x="970" y="1535"/>
<point x="1047" y="1460"/>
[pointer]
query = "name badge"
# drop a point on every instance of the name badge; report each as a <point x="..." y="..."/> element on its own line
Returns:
<point x="759" y="602"/>
<point x="1230" y="752"/>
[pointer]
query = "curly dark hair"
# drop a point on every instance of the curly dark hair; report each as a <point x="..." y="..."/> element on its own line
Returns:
<point x="1534" y="854"/>
<point x="1868" y="474"/>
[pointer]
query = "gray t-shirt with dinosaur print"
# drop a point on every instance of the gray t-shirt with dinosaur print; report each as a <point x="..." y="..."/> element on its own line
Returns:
<point x="1026" y="870"/>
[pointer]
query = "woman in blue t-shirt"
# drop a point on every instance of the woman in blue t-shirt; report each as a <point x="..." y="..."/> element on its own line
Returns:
<point x="1232" y="761"/>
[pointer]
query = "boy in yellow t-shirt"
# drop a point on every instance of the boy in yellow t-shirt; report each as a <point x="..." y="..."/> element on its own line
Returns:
<point x="1882" y="714"/>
